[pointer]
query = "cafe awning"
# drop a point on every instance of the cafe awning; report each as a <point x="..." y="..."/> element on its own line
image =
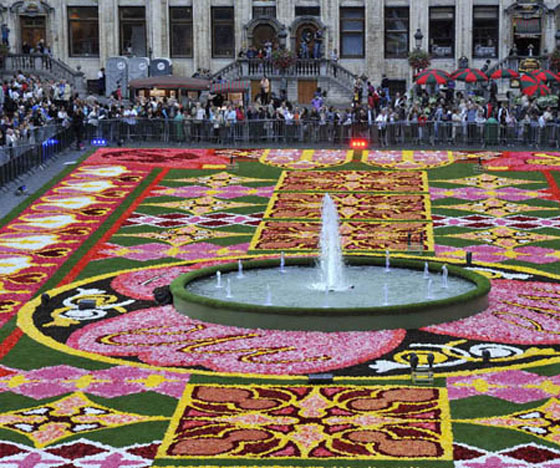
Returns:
<point x="170" y="82"/>
<point x="238" y="86"/>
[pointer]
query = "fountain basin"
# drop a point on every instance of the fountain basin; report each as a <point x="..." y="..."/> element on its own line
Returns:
<point x="319" y="317"/>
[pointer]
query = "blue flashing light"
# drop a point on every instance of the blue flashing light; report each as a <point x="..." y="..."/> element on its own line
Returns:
<point x="99" y="142"/>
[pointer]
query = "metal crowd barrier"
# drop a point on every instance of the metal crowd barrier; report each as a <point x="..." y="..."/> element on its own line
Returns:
<point x="284" y="133"/>
<point x="40" y="150"/>
<point x="46" y="142"/>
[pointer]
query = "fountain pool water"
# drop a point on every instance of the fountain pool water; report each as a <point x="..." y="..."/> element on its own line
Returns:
<point x="329" y="293"/>
<point x="297" y="288"/>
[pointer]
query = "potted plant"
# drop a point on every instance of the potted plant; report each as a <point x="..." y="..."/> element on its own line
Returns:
<point x="554" y="60"/>
<point x="419" y="59"/>
<point x="283" y="59"/>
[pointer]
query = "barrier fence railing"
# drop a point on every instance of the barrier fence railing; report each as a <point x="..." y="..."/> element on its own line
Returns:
<point x="41" y="148"/>
<point x="46" y="142"/>
<point x="281" y="132"/>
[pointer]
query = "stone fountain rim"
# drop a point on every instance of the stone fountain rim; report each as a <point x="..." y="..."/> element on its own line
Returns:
<point x="412" y="315"/>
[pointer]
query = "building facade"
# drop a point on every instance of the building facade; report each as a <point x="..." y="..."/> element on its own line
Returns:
<point x="371" y="37"/>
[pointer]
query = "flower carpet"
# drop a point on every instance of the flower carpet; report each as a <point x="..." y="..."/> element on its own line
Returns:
<point x="95" y="373"/>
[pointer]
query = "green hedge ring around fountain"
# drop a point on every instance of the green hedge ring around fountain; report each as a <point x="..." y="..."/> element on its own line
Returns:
<point x="409" y="316"/>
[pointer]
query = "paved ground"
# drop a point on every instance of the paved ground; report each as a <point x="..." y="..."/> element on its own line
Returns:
<point x="34" y="180"/>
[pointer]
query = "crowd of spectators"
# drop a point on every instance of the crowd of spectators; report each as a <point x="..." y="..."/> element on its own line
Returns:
<point x="28" y="104"/>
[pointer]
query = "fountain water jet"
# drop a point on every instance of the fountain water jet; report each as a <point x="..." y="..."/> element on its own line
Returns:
<point x="331" y="262"/>
<point x="444" y="276"/>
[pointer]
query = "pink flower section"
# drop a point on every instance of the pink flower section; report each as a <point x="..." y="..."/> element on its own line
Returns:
<point x="229" y="192"/>
<point x="494" y="254"/>
<point x="526" y="161"/>
<point x="520" y="312"/>
<point x="473" y="193"/>
<point x="161" y="336"/>
<point x="141" y="284"/>
<point x="512" y="385"/>
<point x="156" y="251"/>
<point x="108" y="383"/>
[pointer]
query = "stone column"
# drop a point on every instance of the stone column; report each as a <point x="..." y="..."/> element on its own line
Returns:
<point x="202" y="35"/>
<point x="419" y="19"/>
<point x="330" y="17"/>
<point x="108" y="30"/>
<point x="285" y="12"/>
<point x="157" y="28"/>
<point x="57" y="37"/>
<point x="374" y="41"/>
<point x="504" y="33"/>
<point x="242" y="12"/>
<point x="463" y="29"/>
<point x="548" y="39"/>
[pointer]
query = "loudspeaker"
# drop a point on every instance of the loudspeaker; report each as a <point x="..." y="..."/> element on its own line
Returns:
<point x="161" y="67"/>
<point x="321" y="378"/>
<point x="45" y="298"/>
<point x="138" y="67"/>
<point x="163" y="296"/>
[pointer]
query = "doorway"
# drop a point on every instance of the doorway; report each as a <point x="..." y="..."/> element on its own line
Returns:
<point x="33" y="29"/>
<point x="305" y="40"/>
<point x="262" y="34"/>
<point x="306" y="91"/>
<point x="525" y="44"/>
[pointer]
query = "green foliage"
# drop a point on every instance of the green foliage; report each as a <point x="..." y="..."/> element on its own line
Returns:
<point x="283" y="58"/>
<point x="419" y="59"/>
<point x="554" y="60"/>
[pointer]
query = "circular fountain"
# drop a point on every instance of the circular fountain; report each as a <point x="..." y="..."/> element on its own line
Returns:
<point x="330" y="293"/>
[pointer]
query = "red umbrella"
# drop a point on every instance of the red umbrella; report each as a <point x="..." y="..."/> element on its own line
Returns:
<point x="528" y="79"/>
<point x="546" y="75"/>
<point x="539" y="89"/>
<point x="432" y="76"/>
<point x="469" y="75"/>
<point x="504" y="73"/>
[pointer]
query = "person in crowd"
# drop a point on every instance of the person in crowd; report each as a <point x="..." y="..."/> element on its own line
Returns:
<point x="101" y="81"/>
<point x="265" y="90"/>
<point x="5" y="31"/>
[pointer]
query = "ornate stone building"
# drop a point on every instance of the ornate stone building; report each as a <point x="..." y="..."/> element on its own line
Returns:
<point x="371" y="37"/>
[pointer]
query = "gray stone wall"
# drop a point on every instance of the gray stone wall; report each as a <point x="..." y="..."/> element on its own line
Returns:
<point x="374" y="65"/>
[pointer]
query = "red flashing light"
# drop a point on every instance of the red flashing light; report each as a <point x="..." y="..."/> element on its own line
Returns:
<point x="358" y="143"/>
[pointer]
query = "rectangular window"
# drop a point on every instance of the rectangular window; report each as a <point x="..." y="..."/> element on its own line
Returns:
<point x="396" y="32"/>
<point x="132" y="22"/>
<point x="485" y="32"/>
<point x="308" y="11"/>
<point x="264" y="11"/>
<point x="83" y="31"/>
<point x="442" y="32"/>
<point x="223" y="32"/>
<point x="181" y="31"/>
<point x="352" y="27"/>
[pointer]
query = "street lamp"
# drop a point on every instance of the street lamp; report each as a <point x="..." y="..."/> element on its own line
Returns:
<point x="418" y="36"/>
<point x="282" y="36"/>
